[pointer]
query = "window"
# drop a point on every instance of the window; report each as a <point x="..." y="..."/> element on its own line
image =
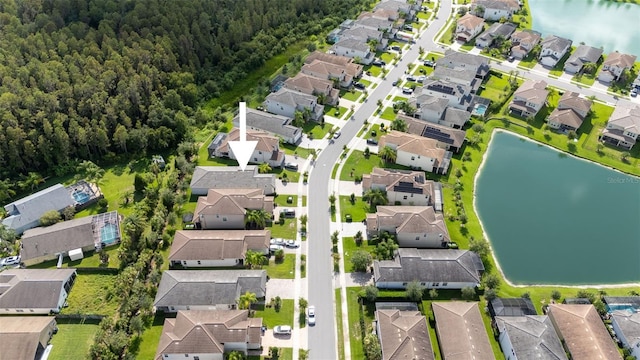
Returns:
<point x="444" y="284"/>
<point x="413" y="158"/>
<point x="224" y="219"/>
<point x="199" y="263"/>
<point x="196" y="358"/>
<point x="417" y="238"/>
<point x="405" y="197"/>
<point x="404" y="284"/>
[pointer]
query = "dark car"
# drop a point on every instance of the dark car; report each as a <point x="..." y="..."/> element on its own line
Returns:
<point x="396" y="48"/>
<point x="429" y="63"/>
<point x="411" y="78"/>
<point x="291" y="166"/>
<point x="394" y="83"/>
<point x="377" y="62"/>
<point x="511" y="58"/>
<point x="359" y="86"/>
<point x="372" y="141"/>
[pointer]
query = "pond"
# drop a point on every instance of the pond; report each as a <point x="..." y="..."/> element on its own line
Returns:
<point x="612" y="25"/>
<point x="552" y="218"/>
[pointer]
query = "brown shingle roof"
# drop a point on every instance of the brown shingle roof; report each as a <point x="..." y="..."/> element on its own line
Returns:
<point x="413" y="144"/>
<point x="566" y="117"/>
<point x="410" y="219"/>
<point x="572" y="100"/>
<point x="470" y="21"/>
<point x="404" y="335"/>
<point x="392" y="177"/>
<point x="266" y="141"/>
<point x="217" y="244"/>
<point x="232" y="202"/>
<point x="20" y="336"/>
<point x="461" y="332"/>
<point x="619" y="59"/>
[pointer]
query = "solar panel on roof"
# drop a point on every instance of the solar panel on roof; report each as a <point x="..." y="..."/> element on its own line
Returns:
<point x="436" y="134"/>
<point x="407" y="187"/>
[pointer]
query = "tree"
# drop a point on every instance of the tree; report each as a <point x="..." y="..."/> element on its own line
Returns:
<point x="50" y="217"/>
<point x="371" y="292"/>
<point x="246" y="300"/>
<point x="399" y="125"/>
<point x="491" y="281"/>
<point x="235" y="355"/>
<point x="372" y="348"/>
<point x="375" y="197"/>
<point x="264" y="168"/>
<point x="257" y="219"/>
<point x="332" y="201"/>
<point x="361" y="260"/>
<point x="303" y="354"/>
<point x="468" y="293"/>
<point x="6" y="190"/>
<point x="254" y="259"/>
<point x="335" y="236"/>
<point x="388" y="154"/>
<point x="303" y="222"/>
<point x="68" y="213"/>
<point x="479" y="246"/>
<point x="490" y="294"/>
<point x="589" y="68"/>
<point x="139" y="183"/>
<point x="367" y="152"/>
<point x="555" y="295"/>
<point x="414" y="291"/>
<point x="478" y="128"/>
<point x="90" y="171"/>
<point x="136" y="325"/>
<point x="358" y="238"/>
<point x="279" y="255"/>
<point x="31" y="181"/>
<point x="133" y="225"/>
<point x="277" y="303"/>
<point x="625" y="156"/>
<point x="433" y="293"/>
<point x="303" y="304"/>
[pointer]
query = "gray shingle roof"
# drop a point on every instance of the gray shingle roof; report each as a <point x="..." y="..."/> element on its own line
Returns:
<point x="555" y="43"/>
<point x="355" y="44"/>
<point x="217" y="177"/>
<point x="629" y="324"/>
<point x="275" y="124"/>
<point x="456" y="116"/>
<point x="498" y="29"/>
<point x="292" y="98"/>
<point x="20" y="336"/>
<point x="32" y="288"/>
<point x="25" y="211"/>
<point x="584" y="54"/>
<point x="532" y="337"/>
<point x="61" y="237"/>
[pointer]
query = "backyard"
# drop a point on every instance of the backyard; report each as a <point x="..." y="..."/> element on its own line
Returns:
<point x="73" y="340"/>
<point x="357" y="165"/>
<point x="92" y="294"/>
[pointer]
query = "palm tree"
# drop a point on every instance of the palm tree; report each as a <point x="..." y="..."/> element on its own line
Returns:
<point x="388" y="154"/>
<point x="253" y="259"/>
<point x="6" y="190"/>
<point x="332" y="200"/>
<point x="235" y="355"/>
<point x="358" y="238"/>
<point x="376" y="197"/>
<point x="264" y="168"/>
<point x="257" y="219"/>
<point x="245" y="300"/>
<point x="92" y="172"/>
<point x="32" y="181"/>
<point x="589" y="68"/>
<point x="298" y="119"/>
<point x="399" y="125"/>
<point x="134" y="224"/>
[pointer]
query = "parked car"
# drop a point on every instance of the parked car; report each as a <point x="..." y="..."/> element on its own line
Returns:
<point x="511" y="58"/>
<point x="277" y="241"/>
<point x="311" y="315"/>
<point x="12" y="260"/>
<point x="407" y="90"/>
<point x="429" y="63"/>
<point x="372" y="141"/>
<point x="292" y="244"/>
<point x="288" y="213"/>
<point x="421" y="79"/>
<point x="395" y="48"/>
<point x="282" y="330"/>
<point x="394" y="83"/>
<point x="274" y="248"/>
<point x="337" y="134"/>
<point x="408" y="27"/>
<point x="291" y="166"/>
<point x="378" y="62"/>
<point x="634" y="92"/>
<point x="411" y="78"/>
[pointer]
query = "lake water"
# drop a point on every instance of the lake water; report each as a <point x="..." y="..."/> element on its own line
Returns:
<point x="555" y="219"/>
<point x="612" y="25"/>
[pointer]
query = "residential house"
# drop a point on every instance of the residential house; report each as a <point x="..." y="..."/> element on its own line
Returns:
<point x="447" y="137"/>
<point x="460" y="330"/>
<point x="281" y="126"/>
<point x="529" y="337"/>
<point x="523" y="41"/>
<point x="404" y="187"/>
<point x="207" y="289"/>
<point x="89" y="233"/>
<point x="458" y="96"/>
<point x="630" y="303"/>
<point x="459" y="60"/>
<point x="403" y="335"/>
<point x="582" y="56"/>
<point x="436" y="109"/>
<point x="414" y="226"/>
<point x="428" y="107"/>
<point x="570" y="113"/>
<point x="494" y="10"/>
<point x="205" y="334"/>
<point x="267" y="148"/>
<point x="468" y="27"/>
<point x="404" y="7"/>
<point x="35" y="291"/>
<point x="25" y="213"/>
<point x="25" y="337"/>
<point x="459" y="75"/>
<point x="354" y="48"/>
<point x="495" y="31"/>
<point x="381" y="13"/>
<point x="626" y="325"/>
<point x="286" y="102"/>
<point x="511" y="307"/>
<point x="529" y="98"/>
<point x="232" y="177"/>
<point x="582" y="332"/>
<point x="376" y="23"/>
<point x="328" y="71"/>
<point x="365" y="35"/>
<point x="432" y="268"/>
<point x="216" y="248"/>
<point x="614" y="65"/>
<point x="226" y="208"/>
<point x="623" y="127"/>
<point x="417" y="152"/>
<point x="352" y="69"/>
<point x="636" y="82"/>
<point x="553" y="49"/>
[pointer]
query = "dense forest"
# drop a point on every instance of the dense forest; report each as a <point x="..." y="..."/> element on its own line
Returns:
<point x="93" y="79"/>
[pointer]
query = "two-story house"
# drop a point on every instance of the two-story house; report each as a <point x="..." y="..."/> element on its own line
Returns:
<point x="623" y="127"/>
<point x="523" y="41"/>
<point x="496" y="30"/>
<point x="222" y="177"/>
<point x="414" y="226"/>
<point x="494" y="10"/>
<point x="277" y="125"/>
<point x="417" y="152"/>
<point x="365" y="35"/>
<point x="267" y="147"/>
<point x="447" y="137"/>
<point x="529" y="98"/>
<point x="570" y="113"/>
<point x="468" y="27"/>
<point x="458" y="96"/>
<point x="356" y="49"/>
<point x="352" y="69"/>
<point x="315" y="86"/>
<point x="461" y="61"/>
<point x="328" y="71"/>
<point x="286" y="102"/>
<point x="614" y="65"/>
<point x="553" y="49"/>
<point x="226" y="208"/>
<point x="583" y="55"/>
<point x="404" y="187"/>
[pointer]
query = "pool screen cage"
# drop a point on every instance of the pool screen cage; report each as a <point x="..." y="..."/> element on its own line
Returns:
<point x="106" y="229"/>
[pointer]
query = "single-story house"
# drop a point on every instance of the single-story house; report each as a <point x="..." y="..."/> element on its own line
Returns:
<point x="352" y="69"/>
<point x="503" y="30"/>
<point x="529" y="98"/>
<point x="403" y="335"/>
<point x="447" y="137"/>
<point x="216" y="248"/>
<point x="623" y="127"/>
<point x="90" y="233"/>
<point x="494" y="10"/>
<point x="231" y="177"/>
<point x="432" y="268"/>
<point x="582" y="332"/>
<point x="417" y="152"/>
<point x="35" y="291"/>
<point x="570" y="113"/>
<point x="460" y="330"/>
<point x="207" y="289"/>
<point x="468" y="27"/>
<point x="267" y="148"/>
<point x="583" y="55"/>
<point x="523" y="41"/>
<point x="404" y="187"/>
<point x="226" y="208"/>
<point x="529" y="337"/>
<point x="25" y="337"/>
<point x="626" y="325"/>
<point x="553" y="49"/>
<point x="414" y="226"/>
<point x="205" y="334"/>
<point x="25" y="213"/>
<point x="511" y="307"/>
<point x="614" y="65"/>
<point x="276" y="125"/>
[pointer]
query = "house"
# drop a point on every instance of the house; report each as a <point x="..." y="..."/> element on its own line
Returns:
<point x="496" y="30"/>
<point x="404" y="187"/>
<point x="417" y="152"/>
<point x="354" y="48"/>
<point x="582" y="332"/>
<point x="553" y="49"/>
<point x="436" y="109"/>
<point x="25" y="337"/>
<point x="582" y="56"/>
<point x="222" y="177"/>
<point x="468" y="27"/>
<point x="286" y="102"/>
<point x="209" y="334"/>
<point x="375" y="23"/>
<point x="365" y="35"/>
<point x="276" y="125"/>
<point x="432" y="268"/>
<point x="459" y="60"/>
<point x="459" y="75"/>
<point x="447" y="137"/>
<point x="35" y="291"/>
<point x="523" y="41"/>
<point x="381" y="13"/>
<point x="511" y="307"/>
<point x="458" y="96"/>
<point x="460" y="330"/>
<point x="216" y="248"/>
<point x="414" y="226"/>
<point x="207" y="289"/>
<point x="529" y="337"/>
<point x="352" y="69"/>
<point x="623" y="127"/>
<point x="312" y="85"/>
<point x="570" y="113"/>
<point x="90" y="233"/>
<point x="614" y="65"/>
<point x="403" y="335"/>
<point x="226" y="208"/>
<point x="267" y="148"/>
<point x="25" y="213"/>
<point x="494" y="10"/>
<point x="403" y="7"/>
<point x="626" y="325"/>
<point x="636" y="82"/>
<point x="329" y="71"/>
<point x="529" y="98"/>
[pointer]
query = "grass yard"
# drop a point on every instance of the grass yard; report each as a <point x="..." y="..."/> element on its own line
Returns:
<point x="365" y="82"/>
<point x="283" y="270"/>
<point x="360" y="165"/>
<point x="349" y="246"/>
<point x="585" y="79"/>
<point x="399" y="98"/>
<point x="287" y="230"/>
<point x="91" y="259"/>
<point x="528" y="62"/>
<point x="351" y="95"/>
<point x="304" y="200"/>
<point x="318" y="131"/>
<point x="388" y="114"/>
<point x="372" y="70"/>
<point x="496" y="88"/>
<point x="447" y="35"/>
<point x="282" y="173"/>
<point x="73" y="340"/>
<point x="150" y="338"/>
<point x="386" y="57"/>
<point x="281" y="200"/>
<point x="271" y="318"/>
<point x="295" y="150"/>
<point x="358" y="210"/>
<point x="90" y="295"/>
<point x="355" y="333"/>
<point x="338" y="298"/>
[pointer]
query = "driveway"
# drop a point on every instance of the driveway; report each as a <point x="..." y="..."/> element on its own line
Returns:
<point x="349" y="187"/>
<point x="280" y="287"/>
<point x="355" y="279"/>
<point x="289" y="188"/>
<point x="350" y="229"/>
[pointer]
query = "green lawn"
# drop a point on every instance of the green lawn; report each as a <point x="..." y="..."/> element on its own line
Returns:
<point x="448" y="34"/>
<point x="358" y="211"/>
<point x="295" y="150"/>
<point x="355" y="333"/>
<point x="281" y="201"/>
<point x="283" y="270"/>
<point x="304" y="200"/>
<point x="387" y="57"/>
<point x="291" y="176"/>
<point x="351" y="95"/>
<point x="349" y="246"/>
<point x="271" y="318"/>
<point x="372" y="70"/>
<point x="528" y="62"/>
<point x="91" y="259"/>
<point x="399" y="98"/>
<point x="365" y="82"/>
<point x="357" y="165"/>
<point x="90" y="295"/>
<point x="150" y="338"/>
<point x="495" y="88"/>
<point x="287" y="230"/>
<point x="338" y="298"/>
<point x="318" y="131"/>
<point x="585" y="79"/>
<point x="73" y="340"/>
<point x="388" y="114"/>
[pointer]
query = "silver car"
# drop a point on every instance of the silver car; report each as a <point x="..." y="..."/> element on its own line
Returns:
<point x="311" y="315"/>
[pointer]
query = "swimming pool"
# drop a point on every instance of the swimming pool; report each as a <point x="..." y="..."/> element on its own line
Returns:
<point x="479" y="109"/>
<point x="109" y="234"/>
<point x="625" y="307"/>
<point x="81" y="197"/>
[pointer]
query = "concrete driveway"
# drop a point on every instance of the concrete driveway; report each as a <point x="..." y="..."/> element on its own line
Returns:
<point x="283" y="288"/>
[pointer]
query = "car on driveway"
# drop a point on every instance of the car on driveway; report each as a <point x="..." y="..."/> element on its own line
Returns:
<point x="378" y="62"/>
<point x="395" y="48"/>
<point x="282" y="330"/>
<point x="359" y="86"/>
<point x="429" y="63"/>
<point x="634" y="92"/>
<point x="372" y="141"/>
<point x="421" y="79"/>
<point x="292" y="244"/>
<point x="277" y="241"/>
<point x="291" y="166"/>
<point x="11" y="260"/>
<point x="411" y="78"/>
<point x="311" y="315"/>
<point x="394" y="83"/>
<point x="407" y="90"/>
